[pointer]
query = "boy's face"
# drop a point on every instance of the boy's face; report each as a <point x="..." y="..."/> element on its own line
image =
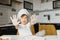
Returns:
<point x="24" y="19"/>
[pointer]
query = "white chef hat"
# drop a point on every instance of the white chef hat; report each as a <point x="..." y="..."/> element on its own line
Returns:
<point x="21" y="12"/>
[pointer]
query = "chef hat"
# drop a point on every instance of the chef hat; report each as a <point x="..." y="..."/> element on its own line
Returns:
<point x="21" y="12"/>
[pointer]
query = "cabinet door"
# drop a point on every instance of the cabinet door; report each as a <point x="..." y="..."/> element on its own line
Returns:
<point x="42" y="18"/>
<point x="55" y="16"/>
<point x="36" y="5"/>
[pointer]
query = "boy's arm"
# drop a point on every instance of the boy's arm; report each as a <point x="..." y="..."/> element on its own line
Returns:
<point x="17" y="33"/>
<point x="16" y="26"/>
<point x="33" y="19"/>
<point x="15" y="21"/>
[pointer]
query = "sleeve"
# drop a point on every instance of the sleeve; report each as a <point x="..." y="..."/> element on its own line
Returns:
<point x="19" y="26"/>
<point x="29" y="25"/>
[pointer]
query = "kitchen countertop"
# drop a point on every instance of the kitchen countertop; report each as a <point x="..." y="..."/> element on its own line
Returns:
<point x="48" y="37"/>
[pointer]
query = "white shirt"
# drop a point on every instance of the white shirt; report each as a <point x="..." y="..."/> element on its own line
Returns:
<point x="24" y="30"/>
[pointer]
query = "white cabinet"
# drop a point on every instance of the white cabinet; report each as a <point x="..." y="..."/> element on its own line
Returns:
<point x="53" y="17"/>
<point x="46" y="6"/>
<point x="37" y="6"/>
<point x="42" y="18"/>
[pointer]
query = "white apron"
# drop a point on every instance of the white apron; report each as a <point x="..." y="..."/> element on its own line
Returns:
<point x="24" y="30"/>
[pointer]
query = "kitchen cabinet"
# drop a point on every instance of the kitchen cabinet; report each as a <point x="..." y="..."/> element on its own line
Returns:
<point x="51" y="5"/>
<point x="37" y="6"/>
<point x="54" y="16"/>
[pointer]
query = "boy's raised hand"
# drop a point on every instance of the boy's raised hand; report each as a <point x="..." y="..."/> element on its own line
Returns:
<point x="14" y="20"/>
<point x="33" y="19"/>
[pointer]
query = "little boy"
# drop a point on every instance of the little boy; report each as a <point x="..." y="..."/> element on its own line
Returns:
<point x="25" y="22"/>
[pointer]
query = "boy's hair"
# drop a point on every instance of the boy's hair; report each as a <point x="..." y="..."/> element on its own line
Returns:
<point x="23" y="15"/>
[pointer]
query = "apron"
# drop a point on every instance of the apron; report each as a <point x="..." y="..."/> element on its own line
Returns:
<point x="24" y="30"/>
